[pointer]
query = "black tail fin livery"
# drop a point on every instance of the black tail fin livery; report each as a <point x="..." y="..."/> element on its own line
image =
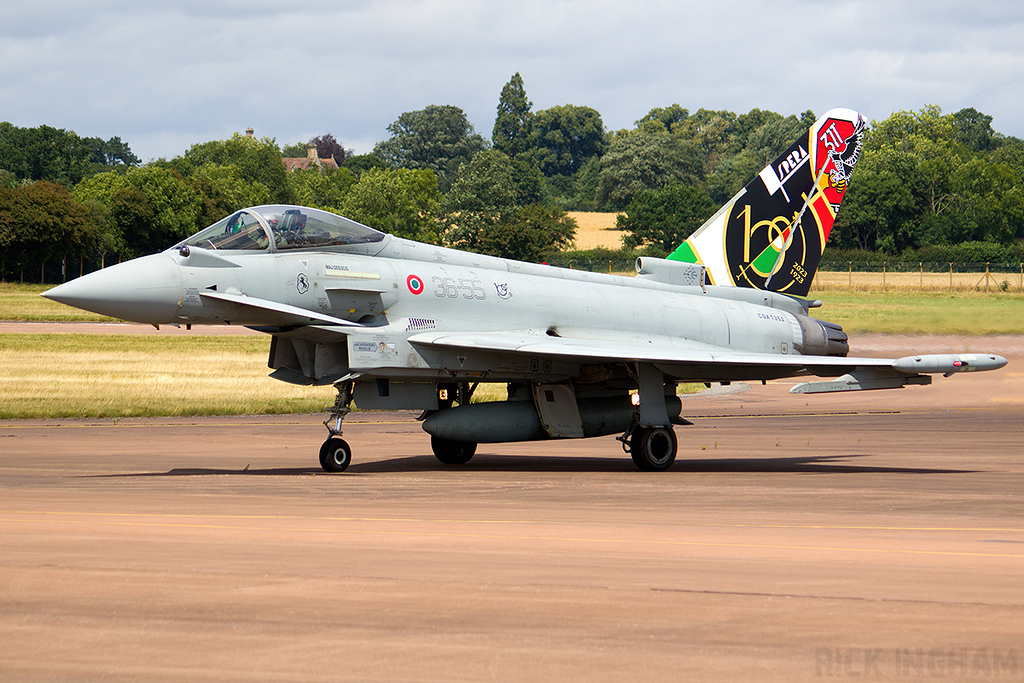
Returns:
<point x="772" y="233"/>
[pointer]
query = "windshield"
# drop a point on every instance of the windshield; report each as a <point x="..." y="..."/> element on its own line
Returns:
<point x="292" y="227"/>
<point x="240" y="230"/>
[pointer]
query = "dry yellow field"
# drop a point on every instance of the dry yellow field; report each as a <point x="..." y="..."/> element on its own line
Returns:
<point x="917" y="282"/>
<point x="596" y="230"/>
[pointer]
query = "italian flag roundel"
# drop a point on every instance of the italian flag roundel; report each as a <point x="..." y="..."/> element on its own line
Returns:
<point x="415" y="284"/>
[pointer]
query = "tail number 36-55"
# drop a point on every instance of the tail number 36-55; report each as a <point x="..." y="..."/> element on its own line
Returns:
<point x="447" y="287"/>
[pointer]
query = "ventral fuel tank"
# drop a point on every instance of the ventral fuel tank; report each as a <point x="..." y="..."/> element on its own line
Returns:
<point x="506" y="421"/>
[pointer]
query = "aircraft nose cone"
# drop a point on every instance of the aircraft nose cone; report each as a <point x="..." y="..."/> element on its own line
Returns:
<point x="144" y="290"/>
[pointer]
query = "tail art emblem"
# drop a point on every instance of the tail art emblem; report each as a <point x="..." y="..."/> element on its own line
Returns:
<point x="772" y="233"/>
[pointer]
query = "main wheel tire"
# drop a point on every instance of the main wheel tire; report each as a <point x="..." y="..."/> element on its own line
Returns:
<point x="452" y="452"/>
<point x="335" y="455"/>
<point x="653" y="449"/>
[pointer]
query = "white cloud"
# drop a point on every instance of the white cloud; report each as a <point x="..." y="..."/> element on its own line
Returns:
<point x="163" y="78"/>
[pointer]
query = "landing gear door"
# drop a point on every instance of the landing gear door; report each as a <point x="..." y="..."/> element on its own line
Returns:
<point x="557" y="409"/>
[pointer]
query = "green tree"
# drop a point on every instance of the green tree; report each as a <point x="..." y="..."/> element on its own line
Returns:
<point x="41" y="222"/>
<point x="100" y="187"/>
<point x="757" y="147"/>
<point x="512" y="126"/>
<point x="256" y="161"/>
<point x="586" y="184"/>
<point x="403" y="202"/>
<point x="44" y="153"/>
<point x="881" y="207"/>
<point x="363" y="162"/>
<point x="322" y="189"/>
<point x="481" y="213"/>
<point x="153" y="207"/>
<point x="482" y="193"/>
<point x="110" y="154"/>
<point x="439" y="138"/>
<point x="224" y="190"/>
<point x="108" y="237"/>
<point x="973" y="130"/>
<point x="665" y="217"/>
<point x="991" y="201"/>
<point x="643" y="160"/>
<point x="528" y="182"/>
<point x="711" y="132"/>
<point x="926" y="179"/>
<point x="296" y="151"/>
<point x="564" y="137"/>
<point x="666" y="118"/>
<point x="528" y="233"/>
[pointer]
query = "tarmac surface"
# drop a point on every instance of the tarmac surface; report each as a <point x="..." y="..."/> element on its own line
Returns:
<point x="873" y="535"/>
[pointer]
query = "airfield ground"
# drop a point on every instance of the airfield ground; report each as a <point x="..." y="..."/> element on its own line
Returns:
<point x="869" y="536"/>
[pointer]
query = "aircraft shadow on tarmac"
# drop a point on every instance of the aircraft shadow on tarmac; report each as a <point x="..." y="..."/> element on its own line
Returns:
<point x="821" y="464"/>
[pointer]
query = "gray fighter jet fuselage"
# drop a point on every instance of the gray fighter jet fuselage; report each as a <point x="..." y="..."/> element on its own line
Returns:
<point x="396" y="324"/>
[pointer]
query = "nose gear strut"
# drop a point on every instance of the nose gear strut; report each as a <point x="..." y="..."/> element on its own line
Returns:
<point x="335" y="454"/>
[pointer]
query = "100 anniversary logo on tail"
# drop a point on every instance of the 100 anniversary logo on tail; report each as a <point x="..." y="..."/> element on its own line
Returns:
<point x="771" y="235"/>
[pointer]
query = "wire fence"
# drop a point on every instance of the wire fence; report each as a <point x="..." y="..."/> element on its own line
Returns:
<point x="920" y="276"/>
<point x="873" y="276"/>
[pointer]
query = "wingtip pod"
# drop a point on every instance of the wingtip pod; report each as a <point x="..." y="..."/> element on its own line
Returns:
<point x="903" y="371"/>
<point x="949" y="363"/>
<point x="772" y="233"/>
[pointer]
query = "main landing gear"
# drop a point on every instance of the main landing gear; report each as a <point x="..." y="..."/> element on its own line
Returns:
<point x="653" y="449"/>
<point x="335" y="453"/>
<point x="650" y="439"/>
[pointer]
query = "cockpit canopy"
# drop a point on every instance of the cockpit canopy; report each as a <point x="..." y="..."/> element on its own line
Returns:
<point x="279" y="227"/>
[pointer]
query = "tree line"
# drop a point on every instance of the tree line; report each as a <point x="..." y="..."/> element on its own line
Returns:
<point x="924" y="180"/>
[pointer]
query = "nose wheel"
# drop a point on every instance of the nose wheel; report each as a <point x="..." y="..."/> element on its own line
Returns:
<point x="335" y="453"/>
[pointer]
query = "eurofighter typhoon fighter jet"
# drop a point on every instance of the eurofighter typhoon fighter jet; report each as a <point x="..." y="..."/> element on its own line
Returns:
<point x="396" y="324"/>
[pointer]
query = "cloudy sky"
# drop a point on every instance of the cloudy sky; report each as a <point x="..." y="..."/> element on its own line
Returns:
<point x="163" y="76"/>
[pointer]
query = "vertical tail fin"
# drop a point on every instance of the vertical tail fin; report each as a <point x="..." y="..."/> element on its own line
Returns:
<point x="772" y="233"/>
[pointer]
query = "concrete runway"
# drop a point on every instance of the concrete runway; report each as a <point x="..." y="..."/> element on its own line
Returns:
<point x="878" y="535"/>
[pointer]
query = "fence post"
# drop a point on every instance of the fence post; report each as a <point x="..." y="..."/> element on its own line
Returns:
<point x="951" y="277"/>
<point x="920" y="265"/>
<point x="986" y="277"/>
<point x="851" y="275"/>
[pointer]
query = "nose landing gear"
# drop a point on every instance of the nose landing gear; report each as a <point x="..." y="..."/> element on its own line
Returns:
<point x="335" y="453"/>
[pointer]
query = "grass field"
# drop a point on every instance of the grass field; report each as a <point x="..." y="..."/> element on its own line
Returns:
<point x="100" y="375"/>
<point x="961" y="313"/>
<point x="23" y="303"/>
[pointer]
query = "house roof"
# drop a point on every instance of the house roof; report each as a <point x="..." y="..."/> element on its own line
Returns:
<point x="301" y="163"/>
